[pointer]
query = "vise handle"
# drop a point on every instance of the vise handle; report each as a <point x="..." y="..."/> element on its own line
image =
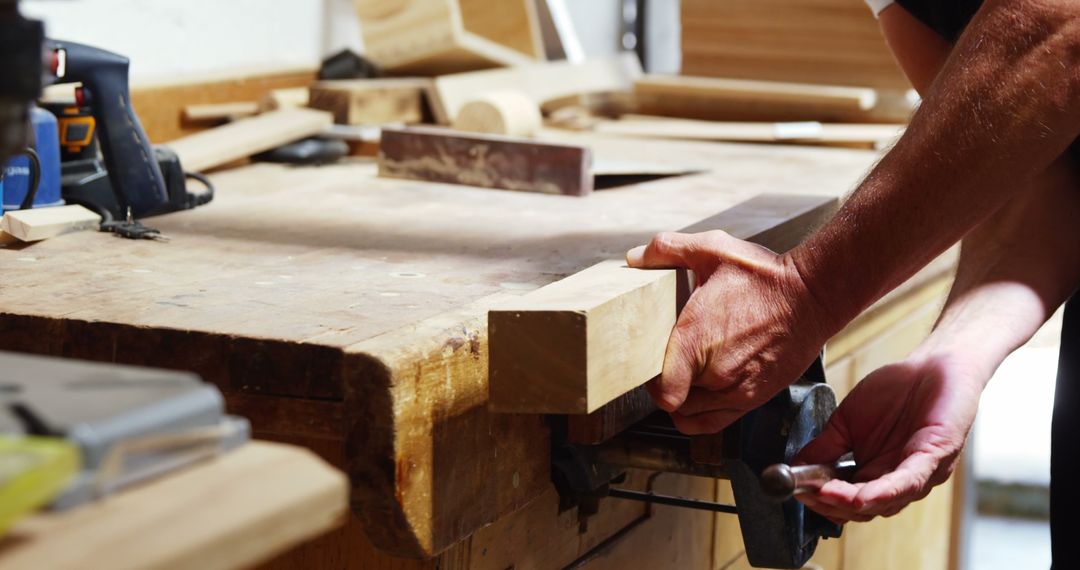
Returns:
<point x="781" y="481"/>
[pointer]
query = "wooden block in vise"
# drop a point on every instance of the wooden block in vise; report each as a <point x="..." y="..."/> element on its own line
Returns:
<point x="576" y="345"/>
<point x="440" y="155"/>
<point x="371" y="101"/>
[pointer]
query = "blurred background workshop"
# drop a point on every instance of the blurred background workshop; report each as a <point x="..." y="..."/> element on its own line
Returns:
<point x="340" y="284"/>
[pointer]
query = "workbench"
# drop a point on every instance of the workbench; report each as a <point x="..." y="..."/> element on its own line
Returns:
<point x="347" y="313"/>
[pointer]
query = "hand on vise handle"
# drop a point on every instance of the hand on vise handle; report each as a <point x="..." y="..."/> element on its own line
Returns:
<point x="781" y="481"/>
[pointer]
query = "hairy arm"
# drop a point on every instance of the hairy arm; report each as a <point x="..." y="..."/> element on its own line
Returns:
<point x="1001" y="111"/>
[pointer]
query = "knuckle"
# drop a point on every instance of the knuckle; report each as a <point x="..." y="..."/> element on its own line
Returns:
<point x="664" y="243"/>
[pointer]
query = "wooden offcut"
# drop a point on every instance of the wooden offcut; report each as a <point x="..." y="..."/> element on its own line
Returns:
<point x="812" y="132"/>
<point x="714" y="98"/>
<point x="441" y="155"/>
<point x="582" y="342"/>
<point x="371" y="101"/>
<point x="500" y="112"/>
<point x="243" y="138"/>
<point x="540" y="82"/>
<point x="220" y="111"/>
<point x="232" y="511"/>
<point x="284" y="98"/>
<point x="815" y="41"/>
<point x="42" y="223"/>
<point x="432" y="37"/>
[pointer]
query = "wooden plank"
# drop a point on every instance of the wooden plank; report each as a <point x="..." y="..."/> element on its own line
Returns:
<point x="371" y="101"/>
<point x="160" y="104"/>
<point x="220" y="111"/>
<point x="489" y="161"/>
<point x="236" y="510"/>
<point x="42" y="223"/>
<point x="427" y="37"/>
<point x="839" y="134"/>
<point x="816" y="41"/>
<point x="580" y="343"/>
<point x="777" y="222"/>
<point x="246" y="137"/>
<point x="540" y="82"/>
<point x="742" y="99"/>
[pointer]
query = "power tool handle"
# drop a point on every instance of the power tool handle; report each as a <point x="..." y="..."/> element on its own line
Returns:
<point x="129" y="157"/>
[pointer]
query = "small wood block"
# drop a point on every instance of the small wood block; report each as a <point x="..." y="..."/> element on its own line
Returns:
<point x="500" y="112"/>
<point x="441" y="155"/>
<point x="41" y="223"/>
<point x="284" y="98"/>
<point x="220" y="111"/>
<point x="579" y="343"/>
<point x="584" y="345"/>
<point x="371" y="101"/>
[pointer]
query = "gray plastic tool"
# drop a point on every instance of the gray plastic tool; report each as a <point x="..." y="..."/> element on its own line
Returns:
<point x="130" y="423"/>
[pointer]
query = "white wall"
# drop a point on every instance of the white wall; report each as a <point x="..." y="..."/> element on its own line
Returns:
<point x="169" y="38"/>
<point x="166" y="38"/>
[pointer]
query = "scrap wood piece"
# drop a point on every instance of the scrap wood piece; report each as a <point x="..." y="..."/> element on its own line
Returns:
<point x="220" y="111"/>
<point x="41" y="223"/>
<point x="442" y="155"/>
<point x="500" y="112"/>
<point x="807" y="132"/>
<point x="233" y="511"/>
<point x="575" y="345"/>
<point x="284" y="98"/>
<point x="367" y="101"/>
<point x="432" y="37"/>
<point x="243" y="138"/>
<point x="743" y="99"/>
<point x="540" y="82"/>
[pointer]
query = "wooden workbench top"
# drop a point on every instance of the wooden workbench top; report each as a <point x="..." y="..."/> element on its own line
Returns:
<point x="328" y="303"/>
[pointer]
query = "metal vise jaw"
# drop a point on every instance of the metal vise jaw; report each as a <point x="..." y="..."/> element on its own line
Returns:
<point x="776" y="534"/>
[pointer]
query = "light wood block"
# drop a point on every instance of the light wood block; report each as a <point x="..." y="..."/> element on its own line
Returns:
<point x="233" y="511"/>
<point x="575" y="345"/>
<point x="540" y="82"/>
<point x="500" y="112"/>
<point x="371" y="101"/>
<point x="220" y="111"/>
<point x="41" y="223"/>
<point x="246" y="137"/>
<point x="432" y="37"/>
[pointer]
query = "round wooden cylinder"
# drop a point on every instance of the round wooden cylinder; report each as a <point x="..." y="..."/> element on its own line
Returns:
<point x="500" y="112"/>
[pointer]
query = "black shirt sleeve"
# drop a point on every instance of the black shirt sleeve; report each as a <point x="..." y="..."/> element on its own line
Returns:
<point x="946" y="17"/>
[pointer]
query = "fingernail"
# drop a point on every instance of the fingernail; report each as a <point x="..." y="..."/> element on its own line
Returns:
<point x="636" y="256"/>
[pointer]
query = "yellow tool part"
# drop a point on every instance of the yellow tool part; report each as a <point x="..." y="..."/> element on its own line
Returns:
<point x="33" y="470"/>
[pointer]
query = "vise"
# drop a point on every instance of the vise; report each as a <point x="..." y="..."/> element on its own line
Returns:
<point x="754" y="453"/>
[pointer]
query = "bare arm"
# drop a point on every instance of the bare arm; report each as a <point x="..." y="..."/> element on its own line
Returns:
<point x="1003" y="108"/>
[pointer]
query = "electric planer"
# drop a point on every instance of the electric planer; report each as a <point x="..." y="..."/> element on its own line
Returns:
<point x="131" y="178"/>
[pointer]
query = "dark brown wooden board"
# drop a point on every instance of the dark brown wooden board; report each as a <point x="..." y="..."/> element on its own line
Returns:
<point x="489" y="161"/>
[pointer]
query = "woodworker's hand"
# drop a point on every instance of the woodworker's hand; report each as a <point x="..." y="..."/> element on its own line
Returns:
<point x="906" y="424"/>
<point x="748" y="330"/>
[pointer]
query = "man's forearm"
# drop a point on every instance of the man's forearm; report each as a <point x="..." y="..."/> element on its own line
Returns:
<point x="1015" y="269"/>
<point x="1002" y="110"/>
